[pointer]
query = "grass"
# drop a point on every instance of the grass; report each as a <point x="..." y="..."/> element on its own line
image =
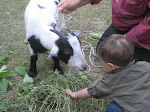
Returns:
<point x="94" y="18"/>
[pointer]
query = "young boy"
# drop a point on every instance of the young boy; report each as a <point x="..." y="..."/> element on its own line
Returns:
<point x="126" y="83"/>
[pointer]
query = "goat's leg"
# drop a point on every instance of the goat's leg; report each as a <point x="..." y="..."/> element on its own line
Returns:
<point x="57" y="65"/>
<point x="32" y="71"/>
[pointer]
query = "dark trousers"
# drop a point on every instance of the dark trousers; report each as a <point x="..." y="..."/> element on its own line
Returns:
<point x="140" y="54"/>
<point x="113" y="107"/>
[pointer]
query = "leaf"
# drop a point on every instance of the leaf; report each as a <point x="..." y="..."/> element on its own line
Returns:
<point x="6" y="74"/>
<point x="4" y="107"/>
<point x="2" y="58"/>
<point x="11" y="52"/>
<point x="21" y="70"/>
<point x="10" y="84"/>
<point x="3" y="72"/>
<point x="3" y="68"/>
<point x="2" y="61"/>
<point x="95" y="35"/>
<point x="26" y="42"/>
<point x="4" y="85"/>
<point x="27" y="79"/>
<point x="83" y="77"/>
<point x="25" y="86"/>
<point x="20" y="88"/>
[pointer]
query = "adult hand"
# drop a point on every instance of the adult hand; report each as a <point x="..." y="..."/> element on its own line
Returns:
<point x="68" y="6"/>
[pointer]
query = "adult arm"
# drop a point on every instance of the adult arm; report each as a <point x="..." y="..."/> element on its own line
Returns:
<point x="68" y="6"/>
<point x="140" y="34"/>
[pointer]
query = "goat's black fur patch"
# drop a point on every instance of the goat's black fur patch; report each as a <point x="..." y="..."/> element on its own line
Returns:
<point x="65" y="50"/>
<point x="36" y="45"/>
<point x="73" y="35"/>
<point x="57" y="2"/>
<point x="41" y="7"/>
<point x="32" y="72"/>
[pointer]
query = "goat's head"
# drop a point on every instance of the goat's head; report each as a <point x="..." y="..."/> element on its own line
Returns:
<point x="68" y="49"/>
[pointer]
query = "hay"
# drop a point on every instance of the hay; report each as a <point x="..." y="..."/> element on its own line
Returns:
<point x="50" y="95"/>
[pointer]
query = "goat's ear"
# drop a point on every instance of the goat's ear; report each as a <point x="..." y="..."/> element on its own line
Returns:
<point x="53" y="52"/>
<point x="77" y="33"/>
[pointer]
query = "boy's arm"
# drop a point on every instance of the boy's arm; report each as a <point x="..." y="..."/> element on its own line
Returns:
<point x="79" y="94"/>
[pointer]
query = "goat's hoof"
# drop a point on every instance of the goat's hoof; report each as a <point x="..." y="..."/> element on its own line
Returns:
<point x="61" y="72"/>
<point x="58" y="70"/>
<point x="32" y="74"/>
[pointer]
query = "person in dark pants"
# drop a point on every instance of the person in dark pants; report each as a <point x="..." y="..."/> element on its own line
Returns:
<point x="140" y="54"/>
<point x="129" y="17"/>
<point x="113" y="107"/>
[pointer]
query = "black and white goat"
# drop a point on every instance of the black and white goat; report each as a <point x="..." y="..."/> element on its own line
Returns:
<point x="43" y="32"/>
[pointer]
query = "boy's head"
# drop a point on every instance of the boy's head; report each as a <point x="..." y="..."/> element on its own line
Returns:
<point x="115" y="51"/>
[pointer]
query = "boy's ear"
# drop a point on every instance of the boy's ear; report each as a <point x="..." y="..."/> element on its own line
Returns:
<point x="112" y="66"/>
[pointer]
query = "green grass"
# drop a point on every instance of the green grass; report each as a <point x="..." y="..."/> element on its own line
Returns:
<point x="92" y="18"/>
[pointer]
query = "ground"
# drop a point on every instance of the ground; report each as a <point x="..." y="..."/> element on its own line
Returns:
<point x="91" y="18"/>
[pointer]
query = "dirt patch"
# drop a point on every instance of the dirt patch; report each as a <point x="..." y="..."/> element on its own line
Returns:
<point x="0" y="45"/>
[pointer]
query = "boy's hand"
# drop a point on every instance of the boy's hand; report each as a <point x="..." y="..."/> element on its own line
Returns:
<point x="83" y="93"/>
<point x="72" y="94"/>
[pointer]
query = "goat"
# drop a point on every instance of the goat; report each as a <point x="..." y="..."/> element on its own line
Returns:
<point x="44" y="32"/>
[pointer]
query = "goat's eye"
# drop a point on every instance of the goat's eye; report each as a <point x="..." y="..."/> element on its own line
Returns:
<point x="66" y="52"/>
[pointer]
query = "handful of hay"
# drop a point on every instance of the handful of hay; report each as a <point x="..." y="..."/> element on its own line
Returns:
<point x="50" y="95"/>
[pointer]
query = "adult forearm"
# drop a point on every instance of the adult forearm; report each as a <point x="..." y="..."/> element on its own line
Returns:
<point x="140" y="33"/>
<point x="84" y="2"/>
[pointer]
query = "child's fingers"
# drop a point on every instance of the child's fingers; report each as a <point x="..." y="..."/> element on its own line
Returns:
<point x="72" y="94"/>
<point x="68" y="91"/>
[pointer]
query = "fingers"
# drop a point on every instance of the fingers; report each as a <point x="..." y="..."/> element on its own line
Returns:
<point x="64" y="10"/>
<point x="63" y="7"/>
<point x="68" y="91"/>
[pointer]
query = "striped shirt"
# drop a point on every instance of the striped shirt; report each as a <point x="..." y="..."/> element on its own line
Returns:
<point x="132" y="16"/>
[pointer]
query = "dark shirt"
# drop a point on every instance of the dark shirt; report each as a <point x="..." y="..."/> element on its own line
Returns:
<point x="129" y="87"/>
<point x="132" y="16"/>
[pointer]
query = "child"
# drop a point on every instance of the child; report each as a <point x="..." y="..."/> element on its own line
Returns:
<point x="126" y="83"/>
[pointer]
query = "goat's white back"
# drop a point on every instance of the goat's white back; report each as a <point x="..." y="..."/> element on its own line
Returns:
<point x="38" y="21"/>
